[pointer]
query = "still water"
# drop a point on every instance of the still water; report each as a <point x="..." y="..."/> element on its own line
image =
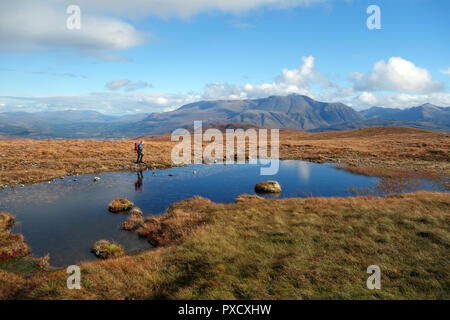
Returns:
<point x="65" y="217"/>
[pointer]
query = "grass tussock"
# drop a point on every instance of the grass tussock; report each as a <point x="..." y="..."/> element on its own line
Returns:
<point x="103" y="249"/>
<point x="313" y="248"/>
<point x="120" y="205"/>
<point x="11" y="245"/>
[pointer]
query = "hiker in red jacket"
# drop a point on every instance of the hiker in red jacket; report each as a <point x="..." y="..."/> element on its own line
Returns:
<point x="138" y="148"/>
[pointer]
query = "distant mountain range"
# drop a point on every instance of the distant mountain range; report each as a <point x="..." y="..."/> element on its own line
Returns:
<point x="292" y="111"/>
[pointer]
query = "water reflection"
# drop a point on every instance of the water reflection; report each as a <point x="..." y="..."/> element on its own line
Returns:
<point x="139" y="184"/>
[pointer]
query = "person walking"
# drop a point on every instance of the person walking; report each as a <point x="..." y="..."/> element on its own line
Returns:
<point x="139" y="147"/>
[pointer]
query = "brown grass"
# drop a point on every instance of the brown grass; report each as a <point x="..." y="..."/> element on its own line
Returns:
<point x="11" y="245"/>
<point x="30" y="161"/>
<point x="314" y="248"/>
<point x="381" y="151"/>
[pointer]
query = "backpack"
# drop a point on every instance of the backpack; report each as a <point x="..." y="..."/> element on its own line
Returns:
<point x="136" y="146"/>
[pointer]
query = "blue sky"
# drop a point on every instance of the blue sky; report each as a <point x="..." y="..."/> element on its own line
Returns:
<point x="145" y="56"/>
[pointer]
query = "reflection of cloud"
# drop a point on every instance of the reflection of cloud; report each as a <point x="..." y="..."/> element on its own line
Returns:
<point x="304" y="171"/>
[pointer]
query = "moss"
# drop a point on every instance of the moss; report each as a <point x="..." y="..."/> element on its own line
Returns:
<point x="104" y="249"/>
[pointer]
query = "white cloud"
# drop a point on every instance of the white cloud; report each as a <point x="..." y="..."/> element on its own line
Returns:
<point x="127" y="85"/>
<point x="401" y="101"/>
<point x="115" y="103"/>
<point x="117" y="84"/>
<point x="445" y="71"/>
<point x="397" y="74"/>
<point x="298" y="80"/>
<point x="304" y="79"/>
<point x="367" y="98"/>
<point x="133" y="86"/>
<point x="38" y="24"/>
<point x="185" y="8"/>
<point x="41" y="24"/>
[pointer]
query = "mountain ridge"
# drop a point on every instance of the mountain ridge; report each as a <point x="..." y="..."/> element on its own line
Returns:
<point x="291" y="112"/>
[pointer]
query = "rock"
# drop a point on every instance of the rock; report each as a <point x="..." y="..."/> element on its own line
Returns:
<point x="120" y="205"/>
<point x="270" y="186"/>
<point x="104" y="249"/>
<point x="96" y="179"/>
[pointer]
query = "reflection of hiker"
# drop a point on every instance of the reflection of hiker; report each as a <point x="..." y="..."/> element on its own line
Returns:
<point x="139" y="185"/>
<point x="138" y="148"/>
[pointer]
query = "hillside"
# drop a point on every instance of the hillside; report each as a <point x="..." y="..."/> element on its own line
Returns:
<point x="295" y="112"/>
<point x="292" y="111"/>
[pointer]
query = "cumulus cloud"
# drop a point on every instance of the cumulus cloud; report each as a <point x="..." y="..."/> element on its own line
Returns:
<point x="397" y="74"/>
<point x="31" y="25"/>
<point x="127" y="85"/>
<point x="298" y="80"/>
<point x="305" y="79"/>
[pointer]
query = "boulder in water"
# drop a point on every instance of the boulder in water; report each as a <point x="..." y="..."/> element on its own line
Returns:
<point x="120" y="205"/>
<point x="270" y="186"/>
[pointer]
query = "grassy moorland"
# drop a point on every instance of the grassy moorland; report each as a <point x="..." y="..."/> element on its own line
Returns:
<point x="273" y="249"/>
<point x="30" y="161"/>
<point x="255" y="248"/>
<point x="384" y="151"/>
<point x="378" y="151"/>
